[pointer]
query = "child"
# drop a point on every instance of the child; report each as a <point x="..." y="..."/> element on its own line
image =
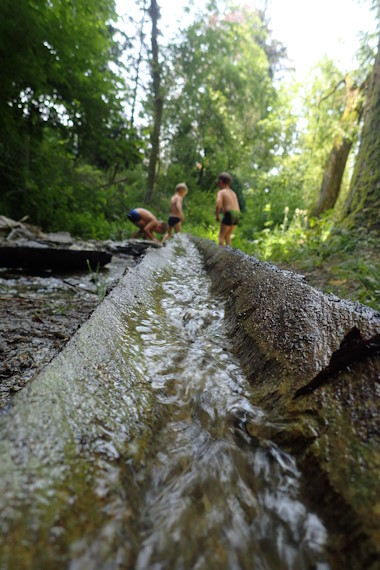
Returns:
<point x="226" y="202"/>
<point x="147" y="223"/>
<point x="176" y="216"/>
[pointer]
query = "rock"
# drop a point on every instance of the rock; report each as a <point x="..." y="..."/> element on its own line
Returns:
<point x="6" y="224"/>
<point x="313" y="361"/>
<point x="20" y="233"/>
<point x="135" y="247"/>
<point x="61" y="238"/>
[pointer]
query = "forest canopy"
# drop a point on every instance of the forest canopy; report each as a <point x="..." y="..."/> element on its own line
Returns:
<point x="99" y="114"/>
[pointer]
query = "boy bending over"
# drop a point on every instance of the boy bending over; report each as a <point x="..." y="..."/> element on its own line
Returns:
<point x="147" y="223"/>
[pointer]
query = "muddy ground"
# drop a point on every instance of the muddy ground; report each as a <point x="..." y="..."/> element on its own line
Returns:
<point x="40" y="313"/>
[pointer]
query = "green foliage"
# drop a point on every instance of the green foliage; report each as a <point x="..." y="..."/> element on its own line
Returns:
<point x="221" y="90"/>
<point x="58" y="88"/>
<point x="297" y="136"/>
<point x="348" y="260"/>
<point x="68" y="194"/>
<point x="199" y="211"/>
<point x="322" y="102"/>
<point x="100" y="285"/>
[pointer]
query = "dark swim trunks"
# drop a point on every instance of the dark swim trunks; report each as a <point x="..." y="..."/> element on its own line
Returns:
<point x="231" y="218"/>
<point x="172" y="221"/>
<point x="134" y="216"/>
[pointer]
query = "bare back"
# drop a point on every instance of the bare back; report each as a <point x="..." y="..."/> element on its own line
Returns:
<point x="146" y="216"/>
<point x="227" y="200"/>
<point x="176" y="206"/>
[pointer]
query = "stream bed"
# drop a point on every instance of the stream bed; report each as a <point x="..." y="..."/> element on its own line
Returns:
<point x="130" y="450"/>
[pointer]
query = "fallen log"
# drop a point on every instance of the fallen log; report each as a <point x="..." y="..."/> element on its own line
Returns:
<point x="313" y="361"/>
<point x="58" y="259"/>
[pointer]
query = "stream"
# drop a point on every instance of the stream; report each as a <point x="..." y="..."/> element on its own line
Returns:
<point x="196" y="492"/>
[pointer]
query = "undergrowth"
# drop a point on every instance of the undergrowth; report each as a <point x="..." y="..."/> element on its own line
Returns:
<point x="334" y="259"/>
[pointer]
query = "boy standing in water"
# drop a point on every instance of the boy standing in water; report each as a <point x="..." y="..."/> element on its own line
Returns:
<point x="176" y="216"/>
<point x="227" y="203"/>
<point x="147" y="223"/>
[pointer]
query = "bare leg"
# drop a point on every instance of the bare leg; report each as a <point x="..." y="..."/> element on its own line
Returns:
<point x="229" y="234"/>
<point x="177" y="227"/>
<point x="222" y="233"/>
<point x="138" y="234"/>
<point x="168" y="235"/>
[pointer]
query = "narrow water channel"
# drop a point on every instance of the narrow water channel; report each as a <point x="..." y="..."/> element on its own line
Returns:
<point x="206" y="495"/>
<point x="216" y="499"/>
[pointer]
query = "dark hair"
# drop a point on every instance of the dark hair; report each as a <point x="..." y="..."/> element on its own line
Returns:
<point x="225" y="178"/>
<point x="164" y="226"/>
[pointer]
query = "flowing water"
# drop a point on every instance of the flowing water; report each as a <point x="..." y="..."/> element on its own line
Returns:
<point x="202" y="494"/>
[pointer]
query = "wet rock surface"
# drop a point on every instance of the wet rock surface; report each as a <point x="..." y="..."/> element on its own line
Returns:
<point x="33" y="331"/>
<point x="289" y="338"/>
<point x="41" y="310"/>
<point x="40" y="313"/>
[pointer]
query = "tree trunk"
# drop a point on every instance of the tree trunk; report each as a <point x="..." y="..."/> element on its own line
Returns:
<point x="157" y="105"/>
<point x="332" y="178"/>
<point x="138" y="65"/>
<point x="363" y="202"/>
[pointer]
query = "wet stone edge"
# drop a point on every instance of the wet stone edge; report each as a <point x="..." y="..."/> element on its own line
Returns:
<point x="285" y="333"/>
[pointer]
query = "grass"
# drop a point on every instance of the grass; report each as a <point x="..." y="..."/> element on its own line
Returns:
<point x="333" y="259"/>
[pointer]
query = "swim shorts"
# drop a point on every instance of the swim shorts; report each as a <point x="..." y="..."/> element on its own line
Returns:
<point x="133" y="216"/>
<point x="231" y="218"/>
<point x="172" y="221"/>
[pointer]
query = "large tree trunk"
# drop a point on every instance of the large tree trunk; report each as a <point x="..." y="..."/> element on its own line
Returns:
<point x="363" y="202"/>
<point x="332" y="178"/>
<point x="157" y="105"/>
